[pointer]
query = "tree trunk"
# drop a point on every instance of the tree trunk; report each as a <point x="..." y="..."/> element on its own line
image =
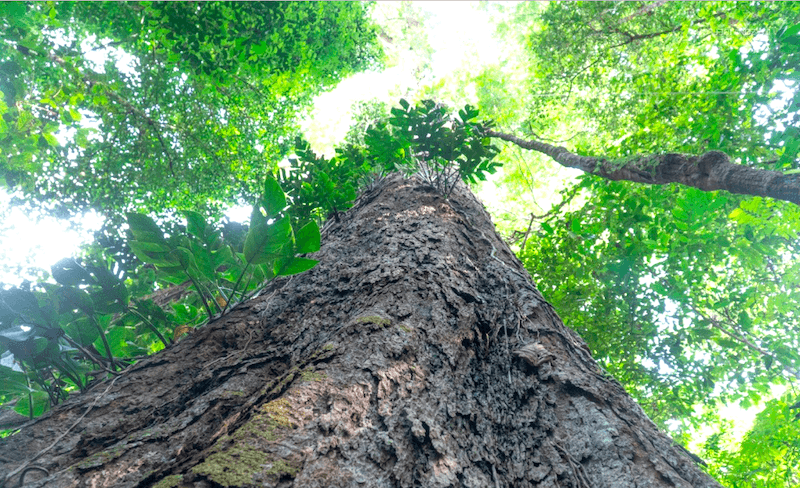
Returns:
<point x="417" y="353"/>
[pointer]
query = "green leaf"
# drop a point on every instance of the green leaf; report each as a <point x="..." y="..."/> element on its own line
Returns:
<point x="17" y="334"/>
<point x="307" y="239"/>
<point x="69" y="272"/>
<point x="75" y="299"/>
<point x="161" y="258"/>
<point x="24" y="303"/>
<point x="292" y="266"/>
<point x="196" y="224"/>
<point x="41" y="404"/>
<point x="82" y="331"/>
<point x="185" y="258"/>
<point x="792" y="30"/>
<point x="144" y="228"/>
<point x="273" y="200"/>
<point x="12" y="10"/>
<point x="150" y="247"/>
<point x="266" y="241"/>
<point x="50" y="138"/>
<point x="259" y="49"/>
<point x="203" y="260"/>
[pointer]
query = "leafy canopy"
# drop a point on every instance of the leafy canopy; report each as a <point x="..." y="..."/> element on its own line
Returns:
<point x="150" y="106"/>
<point x="102" y="313"/>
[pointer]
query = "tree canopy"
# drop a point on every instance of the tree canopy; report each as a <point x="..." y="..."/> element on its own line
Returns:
<point x="687" y="297"/>
<point x="163" y="105"/>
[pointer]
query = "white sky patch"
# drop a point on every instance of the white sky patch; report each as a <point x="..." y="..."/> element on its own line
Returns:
<point x="98" y="53"/>
<point x="40" y="241"/>
<point x="330" y="118"/>
<point x="239" y="213"/>
<point x="461" y="35"/>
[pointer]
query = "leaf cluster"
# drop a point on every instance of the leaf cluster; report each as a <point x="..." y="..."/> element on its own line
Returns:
<point x="94" y="316"/>
<point x="687" y="298"/>
<point x="320" y="187"/>
<point x="684" y="307"/>
<point x="50" y="338"/>
<point x="768" y="455"/>
<point x="425" y="140"/>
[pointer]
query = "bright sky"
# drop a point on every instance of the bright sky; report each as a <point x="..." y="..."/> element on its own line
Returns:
<point x="461" y="35"/>
<point x="29" y="236"/>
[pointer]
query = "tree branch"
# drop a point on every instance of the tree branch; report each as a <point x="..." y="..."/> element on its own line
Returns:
<point x="715" y="322"/>
<point x="645" y="9"/>
<point x="708" y="172"/>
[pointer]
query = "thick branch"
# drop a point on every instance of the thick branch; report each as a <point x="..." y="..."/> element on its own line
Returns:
<point x="708" y="172"/>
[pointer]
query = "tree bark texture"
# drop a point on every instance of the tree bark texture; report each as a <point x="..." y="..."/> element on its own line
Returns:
<point x="708" y="172"/>
<point x="417" y="353"/>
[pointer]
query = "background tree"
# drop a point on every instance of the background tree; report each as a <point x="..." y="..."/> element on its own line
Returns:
<point x="200" y="105"/>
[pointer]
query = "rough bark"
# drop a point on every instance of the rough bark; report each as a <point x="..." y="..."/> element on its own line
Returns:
<point x="708" y="172"/>
<point x="417" y="353"/>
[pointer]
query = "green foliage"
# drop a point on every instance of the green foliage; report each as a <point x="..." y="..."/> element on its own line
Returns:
<point x="423" y="140"/>
<point x="50" y="338"/>
<point x="668" y="301"/>
<point x="768" y="456"/>
<point x="688" y="298"/>
<point x="320" y="187"/>
<point x="190" y="109"/>
<point x="216" y="268"/>
<point x="687" y="76"/>
<point x="426" y="141"/>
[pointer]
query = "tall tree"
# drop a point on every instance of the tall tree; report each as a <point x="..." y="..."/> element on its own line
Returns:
<point x="417" y="353"/>
<point x="625" y="277"/>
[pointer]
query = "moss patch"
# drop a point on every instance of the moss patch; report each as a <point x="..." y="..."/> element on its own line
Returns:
<point x="235" y="464"/>
<point x="276" y="418"/>
<point x="281" y="467"/>
<point x="102" y="457"/>
<point x="374" y="319"/>
<point x="309" y="374"/>
<point x="234" y="467"/>
<point x="169" y="482"/>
